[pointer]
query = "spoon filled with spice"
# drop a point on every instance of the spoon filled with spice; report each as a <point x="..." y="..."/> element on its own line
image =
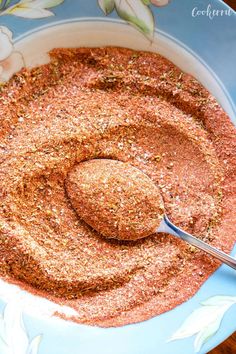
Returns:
<point x="120" y="201"/>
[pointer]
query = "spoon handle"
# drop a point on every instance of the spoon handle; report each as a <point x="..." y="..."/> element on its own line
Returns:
<point x="167" y="226"/>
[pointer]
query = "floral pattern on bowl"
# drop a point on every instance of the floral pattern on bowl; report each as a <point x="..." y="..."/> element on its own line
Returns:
<point x="29" y="8"/>
<point x="13" y="334"/>
<point x="11" y="61"/>
<point x="135" y="12"/>
<point x="203" y="322"/>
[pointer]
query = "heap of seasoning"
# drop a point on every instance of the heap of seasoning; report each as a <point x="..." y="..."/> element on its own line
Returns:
<point x="128" y="106"/>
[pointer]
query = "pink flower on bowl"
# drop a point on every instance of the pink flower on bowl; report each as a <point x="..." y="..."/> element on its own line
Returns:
<point x="160" y="2"/>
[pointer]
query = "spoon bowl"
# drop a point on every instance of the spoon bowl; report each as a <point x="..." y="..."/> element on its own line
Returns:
<point x="120" y="201"/>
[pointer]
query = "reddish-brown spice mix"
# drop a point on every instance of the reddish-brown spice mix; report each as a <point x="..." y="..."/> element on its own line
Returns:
<point x="116" y="199"/>
<point x="136" y="107"/>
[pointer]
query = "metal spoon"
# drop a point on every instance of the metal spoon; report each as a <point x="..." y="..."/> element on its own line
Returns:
<point x="168" y="227"/>
<point x="138" y="194"/>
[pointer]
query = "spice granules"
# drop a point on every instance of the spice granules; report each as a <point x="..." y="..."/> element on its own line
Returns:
<point x="116" y="199"/>
<point x="136" y="107"/>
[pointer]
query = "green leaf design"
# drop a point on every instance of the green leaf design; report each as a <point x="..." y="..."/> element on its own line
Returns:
<point x="28" y="12"/>
<point x="107" y="6"/>
<point x="205" y="321"/>
<point x="137" y="14"/>
<point x="4" y="3"/>
<point x="32" y="8"/>
<point x="146" y="2"/>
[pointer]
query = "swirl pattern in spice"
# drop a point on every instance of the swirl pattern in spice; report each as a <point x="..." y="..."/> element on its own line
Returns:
<point x="135" y="107"/>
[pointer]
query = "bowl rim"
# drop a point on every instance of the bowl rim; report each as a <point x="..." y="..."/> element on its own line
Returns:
<point x="134" y="329"/>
